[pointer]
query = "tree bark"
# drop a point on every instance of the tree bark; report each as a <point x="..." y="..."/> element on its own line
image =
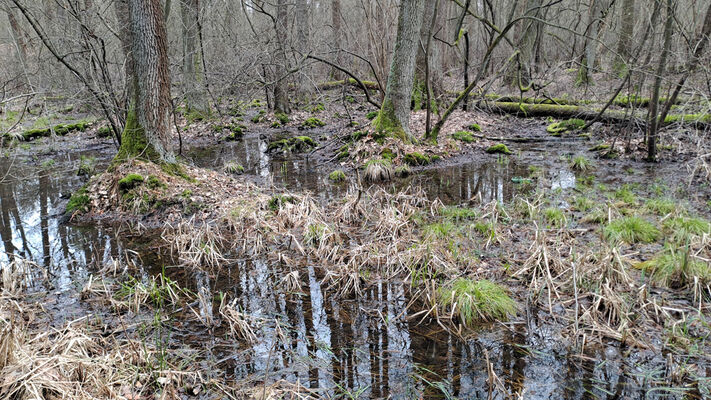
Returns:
<point x="303" y="33"/>
<point x="595" y="16"/>
<point x="281" y="95"/>
<point x="146" y="133"/>
<point x="653" y="125"/>
<point x="193" y="72"/>
<point x="336" y="38"/>
<point x="624" y="42"/>
<point x="394" y="116"/>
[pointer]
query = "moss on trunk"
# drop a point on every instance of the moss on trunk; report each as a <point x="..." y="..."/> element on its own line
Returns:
<point x="135" y="143"/>
<point x="388" y="123"/>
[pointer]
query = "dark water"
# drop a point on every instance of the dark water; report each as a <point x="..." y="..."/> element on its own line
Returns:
<point x="367" y="346"/>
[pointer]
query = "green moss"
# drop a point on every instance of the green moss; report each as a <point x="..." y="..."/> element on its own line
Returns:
<point x="600" y="147"/>
<point x="134" y="142"/>
<point x="371" y="115"/>
<point x="294" y="144"/>
<point x="474" y="301"/>
<point x="631" y="230"/>
<point x="154" y="183"/>
<point x="312" y="122"/>
<point x="79" y="202"/>
<point x="337" y="176"/>
<point x="416" y="158"/>
<point x="104" y="131"/>
<point x="498" y="148"/>
<point x="557" y="128"/>
<point x="387" y="123"/>
<point x="474" y="127"/>
<point x="129" y="182"/>
<point x="176" y="169"/>
<point x="464" y="136"/>
<point x="387" y="153"/>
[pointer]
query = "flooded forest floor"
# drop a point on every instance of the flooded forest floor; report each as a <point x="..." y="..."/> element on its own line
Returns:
<point x="308" y="257"/>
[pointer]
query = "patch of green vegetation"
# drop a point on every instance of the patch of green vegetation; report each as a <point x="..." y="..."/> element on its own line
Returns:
<point x="186" y="194"/>
<point x="48" y="163"/>
<point x="86" y="166"/>
<point x="387" y="153"/>
<point x="312" y="122"/>
<point x="440" y="230"/>
<point x="676" y="268"/>
<point x="104" y="131"/>
<point x="193" y="115"/>
<point x="474" y="301"/>
<point x="343" y="152"/>
<point x="294" y="144"/>
<point x="682" y="229"/>
<point x="255" y="103"/>
<point x="631" y="230"/>
<point x="474" y="127"/>
<point x="458" y="213"/>
<point x="583" y="203"/>
<point x="358" y="135"/>
<point x="317" y="108"/>
<point x="580" y="164"/>
<point x="278" y="200"/>
<point x="600" y="147"/>
<point x="499" y="148"/>
<point x="337" y="176"/>
<point x="597" y="216"/>
<point x="79" y="202"/>
<point x="661" y="206"/>
<point x="315" y="233"/>
<point x="558" y="128"/>
<point x="154" y="183"/>
<point x="282" y="118"/>
<point x="555" y="217"/>
<point x="176" y="169"/>
<point x="129" y="182"/>
<point x="371" y="115"/>
<point x="464" y="136"/>
<point x="232" y="167"/>
<point x="486" y="229"/>
<point x="416" y="158"/>
<point x="236" y="132"/>
<point x="625" y="195"/>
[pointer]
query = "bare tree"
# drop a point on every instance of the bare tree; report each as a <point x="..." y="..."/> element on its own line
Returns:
<point x="653" y="121"/>
<point x="281" y="95"/>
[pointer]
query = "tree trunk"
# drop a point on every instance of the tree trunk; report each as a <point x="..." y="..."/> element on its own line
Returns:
<point x="528" y="36"/>
<point x="281" y="95"/>
<point x="193" y="73"/>
<point x="653" y="125"/>
<point x="146" y="133"/>
<point x="394" y="116"/>
<point x="303" y="32"/>
<point x="624" y="43"/>
<point x="336" y="38"/>
<point x="595" y="16"/>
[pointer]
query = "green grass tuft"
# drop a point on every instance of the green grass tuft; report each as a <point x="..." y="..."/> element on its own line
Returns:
<point x="477" y="301"/>
<point x="458" y="213"/>
<point x="337" y="176"/>
<point x="580" y="164"/>
<point x="676" y="268"/>
<point x="661" y="206"/>
<point x="232" y="167"/>
<point x="631" y="230"/>
<point x="681" y="229"/>
<point x="555" y="217"/>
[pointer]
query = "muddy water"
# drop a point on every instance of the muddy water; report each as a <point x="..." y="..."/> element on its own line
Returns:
<point x="367" y="346"/>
